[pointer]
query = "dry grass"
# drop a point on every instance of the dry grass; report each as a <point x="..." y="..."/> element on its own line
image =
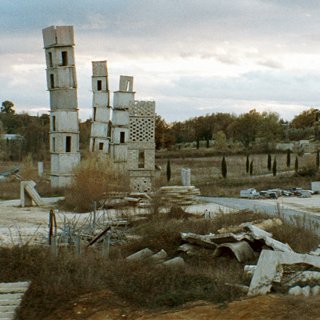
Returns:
<point x="231" y="187"/>
<point x="57" y="281"/>
<point x="93" y="180"/>
<point x="207" y="170"/>
<point x="300" y="239"/>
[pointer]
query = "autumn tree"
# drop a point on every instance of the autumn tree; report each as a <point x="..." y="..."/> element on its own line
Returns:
<point x="163" y="137"/>
<point x="7" y="107"/>
<point x="305" y="119"/>
<point x="245" y="128"/>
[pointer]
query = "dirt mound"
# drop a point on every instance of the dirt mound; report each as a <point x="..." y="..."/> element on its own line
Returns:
<point x="105" y="306"/>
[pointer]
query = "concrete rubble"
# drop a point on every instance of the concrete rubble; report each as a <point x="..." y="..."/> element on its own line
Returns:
<point x="179" y="195"/>
<point x="140" y="255"/>
<point x="241" y="250"/>
<point x="243" y="245"/>
<point x="269" y="264"/>
<point x="252" y="193"/>
<point x="29" y="195"/>
<point x="11" y="294"/>
<point x="159" y="258"/>
<point x="264" y="224"/>
<point x="259" y="234"/>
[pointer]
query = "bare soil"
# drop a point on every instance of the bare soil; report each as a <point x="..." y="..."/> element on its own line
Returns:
<point x="105" y="306"/>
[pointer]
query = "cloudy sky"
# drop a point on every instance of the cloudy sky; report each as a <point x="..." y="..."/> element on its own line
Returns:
<point x="191" y="56"/>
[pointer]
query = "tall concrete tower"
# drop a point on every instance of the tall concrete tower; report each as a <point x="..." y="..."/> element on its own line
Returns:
<point x="101" y="118"/>
<point x="62" y="86"/>
<point x="141" y="145"/>
<point x="120" y="119"/>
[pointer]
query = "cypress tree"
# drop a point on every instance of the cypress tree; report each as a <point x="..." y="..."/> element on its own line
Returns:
<point x="198" y="143"/>
<point x="224" y="167"/>
<point x="296" y="165"/>
<point x="247" y="164"/>
<point x="318" y="159"/>
<point x="269" y="162"/>
<point x="274" y="167"/>
<point x="288" y="158"/>
<point x="168" y="171"/>
<point x="251" y="168"/>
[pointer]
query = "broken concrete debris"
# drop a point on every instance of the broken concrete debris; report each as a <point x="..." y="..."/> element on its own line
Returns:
<point x="264" y="224"/>
<point x="140" y="255"/>
<point x="243" y="245"/>
<point x="158" y="258"/>
<point x="252" y="193"/>
<point x="259" y="234"/>
<point x="179" y="195"/>
<point x="175" y="262"/>
<point x="241" y="250"/>
<point x="269" y="264"/>
<point x="29" y="195"/>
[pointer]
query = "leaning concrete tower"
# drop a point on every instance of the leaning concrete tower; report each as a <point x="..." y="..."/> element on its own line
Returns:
<point x="101" y="118"/>
<point x="120" y="119"/>
<point x="62" y="86"/>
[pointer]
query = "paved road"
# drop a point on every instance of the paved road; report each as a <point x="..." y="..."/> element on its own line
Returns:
<point x="307" y="219"/>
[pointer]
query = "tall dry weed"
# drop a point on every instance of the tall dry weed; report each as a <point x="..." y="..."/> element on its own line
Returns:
<point x="94" y="179"/>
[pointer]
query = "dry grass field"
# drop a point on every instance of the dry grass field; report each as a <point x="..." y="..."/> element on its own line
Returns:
<point x="206" y="173"/>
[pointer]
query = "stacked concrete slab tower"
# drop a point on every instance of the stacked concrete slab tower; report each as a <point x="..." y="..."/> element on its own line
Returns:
<point x="141" y="145"/>
<point x="62" y="86"/>
<point x="101" y="118"/>
<point x="120" y="119"/>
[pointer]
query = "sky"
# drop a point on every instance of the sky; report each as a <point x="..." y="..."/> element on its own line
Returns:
<point x="192" y="57"/>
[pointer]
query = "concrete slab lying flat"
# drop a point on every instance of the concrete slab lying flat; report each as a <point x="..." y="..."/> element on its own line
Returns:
<point x="11" y="294"/>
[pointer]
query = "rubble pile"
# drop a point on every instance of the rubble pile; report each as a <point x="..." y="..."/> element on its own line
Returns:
<point x="279" y="268"/>
<point x="179" y="195"/>
<point x="252" y="193"/>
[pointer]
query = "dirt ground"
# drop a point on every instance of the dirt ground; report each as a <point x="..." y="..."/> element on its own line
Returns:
<point x="105" y="306"/>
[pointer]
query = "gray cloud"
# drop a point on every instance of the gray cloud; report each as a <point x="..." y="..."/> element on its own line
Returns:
<point x="252" y="34"/>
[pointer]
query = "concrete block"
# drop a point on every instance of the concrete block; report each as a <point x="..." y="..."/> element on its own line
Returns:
<point x="186" y="176"/>
<point x="295" y="291"/>
<point x="175" y="262"/>
<point x="140" y="255"/>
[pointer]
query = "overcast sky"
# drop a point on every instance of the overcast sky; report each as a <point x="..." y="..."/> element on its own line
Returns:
<point x="191" y="57"/>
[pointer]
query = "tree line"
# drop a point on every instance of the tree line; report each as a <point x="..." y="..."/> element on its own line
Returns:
<point x="247" y="128"/>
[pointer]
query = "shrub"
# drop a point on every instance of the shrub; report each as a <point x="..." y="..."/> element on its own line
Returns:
<point x="168" y="170"/>
<point x="247" y="164"/>
<point x="224" y="167"/>
<point x="288" y="158"/>
<point x="269" y="162"/>
<point x="251" y="168"/>
<point x="296" y="164"/>
<point x="274" y="167"/>
<point x="94" y="179"/>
